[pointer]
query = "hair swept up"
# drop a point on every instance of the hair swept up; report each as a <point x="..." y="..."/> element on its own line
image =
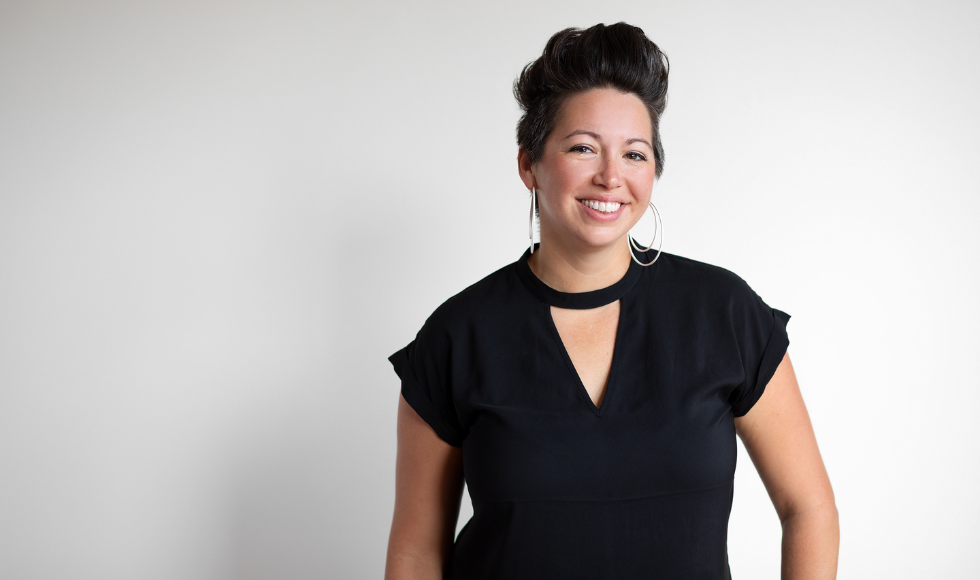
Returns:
<point x="618" y="56"/>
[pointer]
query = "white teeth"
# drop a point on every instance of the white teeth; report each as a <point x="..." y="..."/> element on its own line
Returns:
<point x="604" y="207"/>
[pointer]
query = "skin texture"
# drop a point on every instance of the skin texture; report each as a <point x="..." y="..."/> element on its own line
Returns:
<point x="600" y="150"/>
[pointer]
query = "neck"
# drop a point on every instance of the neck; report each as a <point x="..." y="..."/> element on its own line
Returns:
<point x="579" y="270"/>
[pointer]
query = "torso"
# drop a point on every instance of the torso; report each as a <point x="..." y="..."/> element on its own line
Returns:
<point x="513" y="372"/>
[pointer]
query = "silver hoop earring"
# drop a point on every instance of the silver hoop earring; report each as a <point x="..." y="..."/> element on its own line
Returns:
<point x="658" y="226"/>
<point x="530" y="223"/>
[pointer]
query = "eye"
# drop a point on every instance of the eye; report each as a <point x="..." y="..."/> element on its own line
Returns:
<point x="581" y="149"/>
<point x="636" y="156"/>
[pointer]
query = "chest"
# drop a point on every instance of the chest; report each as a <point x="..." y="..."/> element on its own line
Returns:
<point x="589" y="339"/>
<point x="623" y="404"/>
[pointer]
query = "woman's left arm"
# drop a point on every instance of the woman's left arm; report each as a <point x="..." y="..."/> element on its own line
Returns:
<point x="779" y="438"/>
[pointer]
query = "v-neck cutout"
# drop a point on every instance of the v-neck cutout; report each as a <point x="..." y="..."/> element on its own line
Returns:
<point x="582" y="390"/>
<point x="582" y="301"/>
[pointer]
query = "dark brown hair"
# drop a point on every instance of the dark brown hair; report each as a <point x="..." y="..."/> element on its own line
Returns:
<point x="618" y="56"/>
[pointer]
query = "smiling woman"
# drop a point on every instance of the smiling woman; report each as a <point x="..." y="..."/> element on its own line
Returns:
<point x="595" y="174"/>
<point x="593" y="178"/>
<point x="590" y="396"/>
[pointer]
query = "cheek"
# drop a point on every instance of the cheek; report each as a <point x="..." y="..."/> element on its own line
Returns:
<point x="576" y="177"/>
<point x="558" y="177"/>
<point x="642" y="184"/>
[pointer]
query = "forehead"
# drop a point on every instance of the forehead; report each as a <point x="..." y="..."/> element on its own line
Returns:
<point x="611" y="113"/>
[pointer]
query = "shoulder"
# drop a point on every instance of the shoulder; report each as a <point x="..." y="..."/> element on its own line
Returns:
<point x="708" y="294"/>
<point x="700" y="279"/>
<point x="475" y="303"/>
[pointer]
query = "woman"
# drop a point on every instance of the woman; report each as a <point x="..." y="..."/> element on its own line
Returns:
<point x="591" y="391"/>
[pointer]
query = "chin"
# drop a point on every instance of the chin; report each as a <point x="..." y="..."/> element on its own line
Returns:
<point x="605" y="241"/>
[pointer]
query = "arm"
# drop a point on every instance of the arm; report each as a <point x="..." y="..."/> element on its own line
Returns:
<point x="779" y="438"/>
<point x="428" y="489"/>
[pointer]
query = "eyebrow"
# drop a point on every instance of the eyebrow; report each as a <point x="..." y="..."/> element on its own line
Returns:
<point x="637" y="140"/>
<point x="597" y="137"/>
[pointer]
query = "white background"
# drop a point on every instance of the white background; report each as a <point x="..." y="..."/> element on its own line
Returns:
<point x="218" y="219"/>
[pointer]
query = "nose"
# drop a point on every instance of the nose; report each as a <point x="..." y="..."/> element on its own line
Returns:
<point x="608" y="172"/>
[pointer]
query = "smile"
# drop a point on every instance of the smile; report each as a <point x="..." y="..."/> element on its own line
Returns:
<point x="601" y="206"/>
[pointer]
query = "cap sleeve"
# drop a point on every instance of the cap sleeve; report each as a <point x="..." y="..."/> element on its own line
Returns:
<point x="424" y="367"/>
<point x="762" y="342"/>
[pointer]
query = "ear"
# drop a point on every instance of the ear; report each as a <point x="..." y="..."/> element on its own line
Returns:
<point x="526" y="169"/>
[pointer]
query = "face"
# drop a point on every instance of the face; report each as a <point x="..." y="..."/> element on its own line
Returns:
<point x="596" y="173"/>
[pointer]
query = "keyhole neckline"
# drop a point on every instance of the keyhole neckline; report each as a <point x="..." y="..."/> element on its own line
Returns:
<point x="577" y="300"/>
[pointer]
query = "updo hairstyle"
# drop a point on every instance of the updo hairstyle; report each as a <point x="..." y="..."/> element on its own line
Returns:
<point x="618" y="56"/>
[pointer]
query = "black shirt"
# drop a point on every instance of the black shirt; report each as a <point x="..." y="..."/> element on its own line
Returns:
<point x="639" y="487"/>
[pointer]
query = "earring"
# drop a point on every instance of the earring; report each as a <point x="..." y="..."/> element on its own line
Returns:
<point x="658" y="226"/>
<point x="530" y="223"/>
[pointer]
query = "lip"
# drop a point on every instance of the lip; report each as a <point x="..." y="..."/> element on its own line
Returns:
<point x="598" y="215"/>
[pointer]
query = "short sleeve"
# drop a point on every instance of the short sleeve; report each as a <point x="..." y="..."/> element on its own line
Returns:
<point x="424" y="367"/>
<point x="762" y="341"/>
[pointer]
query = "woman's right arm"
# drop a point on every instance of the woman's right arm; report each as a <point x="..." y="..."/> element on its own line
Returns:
<point x="428" y="489"/>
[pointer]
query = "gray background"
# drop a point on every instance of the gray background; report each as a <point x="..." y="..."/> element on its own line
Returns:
<point x="218" y="219"/>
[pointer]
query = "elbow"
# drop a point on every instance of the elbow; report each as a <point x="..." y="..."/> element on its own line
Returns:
<point x="821" y="512"/>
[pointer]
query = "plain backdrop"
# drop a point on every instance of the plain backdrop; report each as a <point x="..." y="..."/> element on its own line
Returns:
<point x="218" y="219"/>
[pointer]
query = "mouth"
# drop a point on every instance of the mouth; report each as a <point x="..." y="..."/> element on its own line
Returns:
<point x="601" y="206"/>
